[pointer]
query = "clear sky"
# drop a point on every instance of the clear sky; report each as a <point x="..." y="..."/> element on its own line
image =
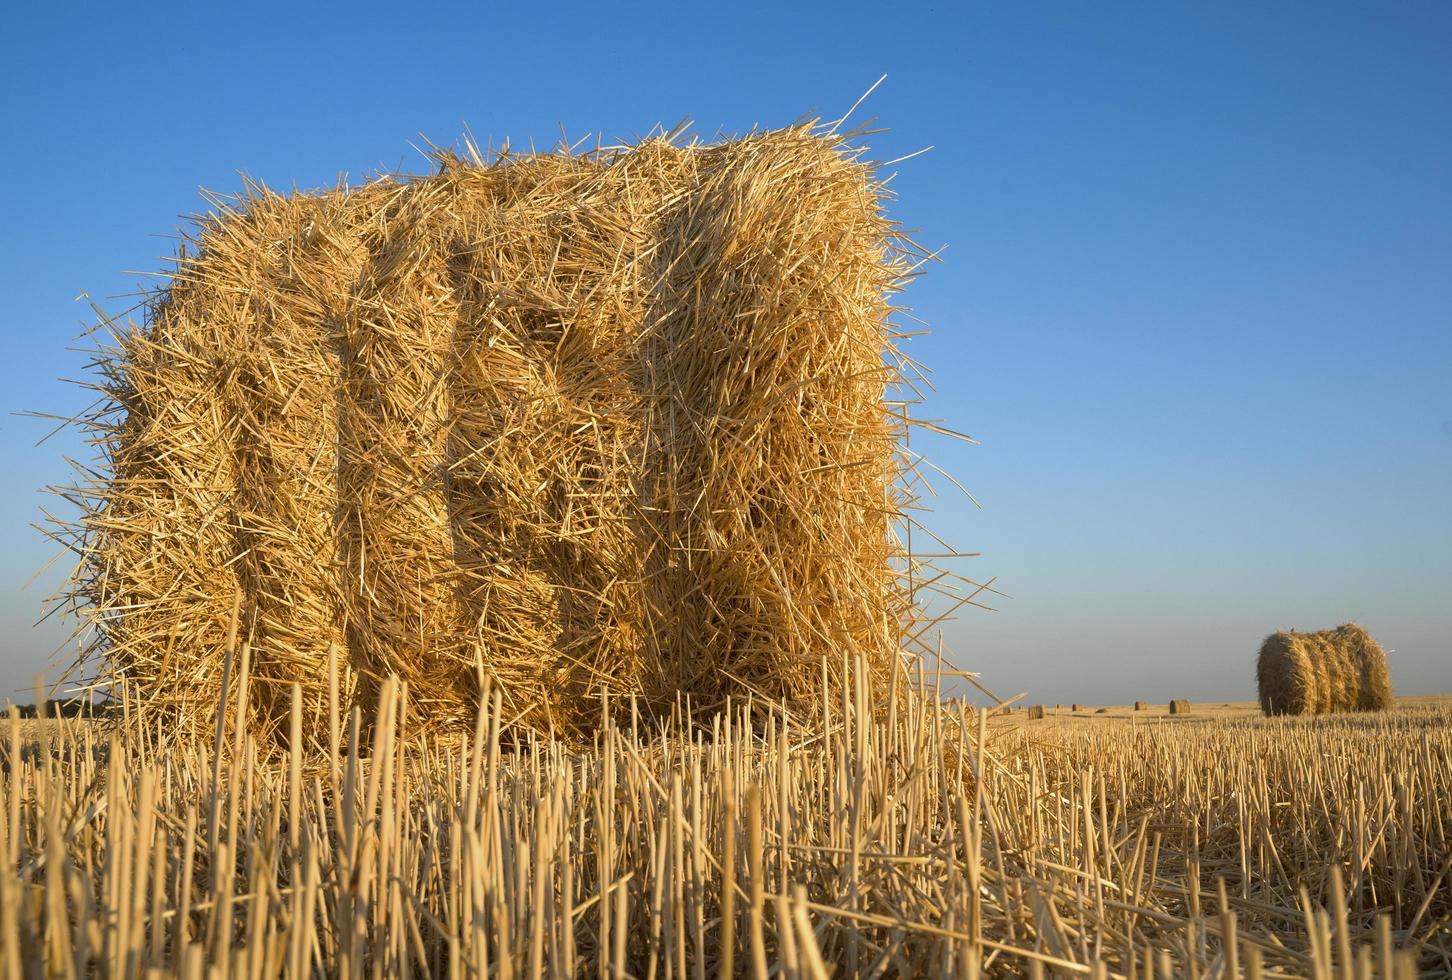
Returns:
<point x="1196" y="299"/>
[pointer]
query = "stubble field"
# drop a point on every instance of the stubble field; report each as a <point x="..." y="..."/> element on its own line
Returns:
<point x="921" y="839"/>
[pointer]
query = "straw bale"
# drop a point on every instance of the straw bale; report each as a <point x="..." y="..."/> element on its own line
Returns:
<point x="1179" y="707"/>
<point x="1035" y="712"/>
<point x="566" y="424"/>
<point x="1341" y="669"/>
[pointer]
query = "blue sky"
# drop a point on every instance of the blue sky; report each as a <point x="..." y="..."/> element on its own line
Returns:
<point x="1196" y="299"/>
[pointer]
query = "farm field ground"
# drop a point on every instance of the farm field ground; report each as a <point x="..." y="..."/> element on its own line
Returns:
<point x="1200" y="711"/>
<point x="923" y="840"/>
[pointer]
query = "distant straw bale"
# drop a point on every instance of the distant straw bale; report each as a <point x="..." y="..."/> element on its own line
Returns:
<point x="1035" y="712"/>
<point x="1140" y="706"/>
<point x="1341" y="669"/>
<point x="1180" y="707"/>
<point x="565" y="424"/>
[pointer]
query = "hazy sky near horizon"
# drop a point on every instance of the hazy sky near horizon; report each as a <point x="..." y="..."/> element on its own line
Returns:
<point x="1196" y="297"/>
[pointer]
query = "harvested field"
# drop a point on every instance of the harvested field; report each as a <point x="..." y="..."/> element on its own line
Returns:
<point x="509" y="571"/>
<point x="939" y="843"/>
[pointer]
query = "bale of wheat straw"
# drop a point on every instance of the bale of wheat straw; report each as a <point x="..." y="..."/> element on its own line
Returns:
<point x="574" y="423"/>
<point x="1341" y="669"/>
<point x="1179" y="706"/>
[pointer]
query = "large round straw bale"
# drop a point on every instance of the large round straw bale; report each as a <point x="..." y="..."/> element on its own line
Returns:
<point x="1341" y="669"/>
<point x="566" y="424"/>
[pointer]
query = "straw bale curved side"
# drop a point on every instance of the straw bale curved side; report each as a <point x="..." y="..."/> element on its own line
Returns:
<point x="1341" y="669"/>
<point x="569" y="425"/>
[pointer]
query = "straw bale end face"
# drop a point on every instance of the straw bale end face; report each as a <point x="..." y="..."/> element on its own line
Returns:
<point x="1341" y="669"/>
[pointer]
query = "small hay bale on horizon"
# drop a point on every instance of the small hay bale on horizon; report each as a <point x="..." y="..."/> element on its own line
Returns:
<point x="1179" y="706"/>
<point x="1035" y="712"/>
<point x="1314" y="673"/>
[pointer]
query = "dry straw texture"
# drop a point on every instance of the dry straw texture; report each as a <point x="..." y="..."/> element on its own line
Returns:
<point x="1180" y="707"/>
<point x="933" y="844"/>
<point x="1316" y="673"/>
<point x="621" y="421"/>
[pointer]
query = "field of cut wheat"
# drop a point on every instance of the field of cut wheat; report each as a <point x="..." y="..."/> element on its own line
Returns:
<point x="920" y="839"/>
